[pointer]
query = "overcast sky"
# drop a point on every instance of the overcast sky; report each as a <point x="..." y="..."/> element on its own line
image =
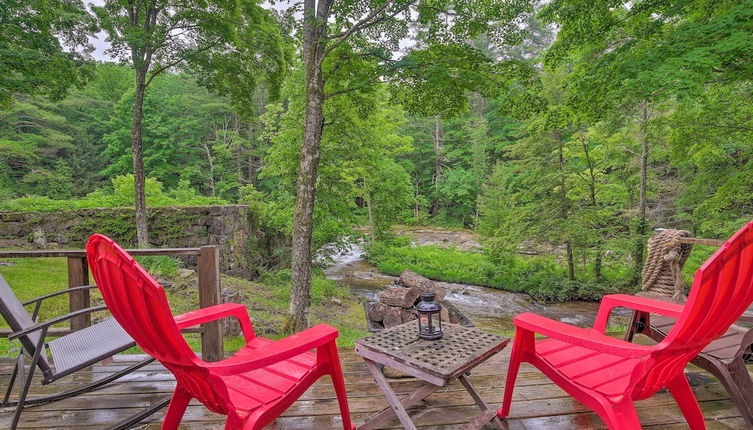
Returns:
<point x="100" y="45"/>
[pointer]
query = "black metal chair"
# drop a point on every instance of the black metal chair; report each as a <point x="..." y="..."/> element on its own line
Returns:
<point x="67" y="354"/>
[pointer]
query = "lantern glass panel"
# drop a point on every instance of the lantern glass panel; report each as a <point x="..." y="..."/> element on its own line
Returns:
<point x="429" y="319"/>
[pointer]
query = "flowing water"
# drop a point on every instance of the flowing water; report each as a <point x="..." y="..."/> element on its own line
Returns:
<point x="487" y="308"/>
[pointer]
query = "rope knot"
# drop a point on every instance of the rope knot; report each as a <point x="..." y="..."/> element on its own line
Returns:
<point x="662" y="273"/>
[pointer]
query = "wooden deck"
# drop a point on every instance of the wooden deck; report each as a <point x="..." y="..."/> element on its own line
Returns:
<point x="539" y="404"/>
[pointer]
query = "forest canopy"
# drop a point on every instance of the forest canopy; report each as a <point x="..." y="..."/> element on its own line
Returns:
<point x="597" y="125"/>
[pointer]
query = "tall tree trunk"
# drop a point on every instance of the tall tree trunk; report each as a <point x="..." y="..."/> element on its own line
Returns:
<point x="564" y="204"/>
<point x="251" y="168"/>
<point x="139" y="180"/>
<point x="570" y="260"/>
<point x="210" y="162"/>
<point x="300" y="295"/>
<point x="642" y="221"/>
<point x="592" y="189"/>
<point x="373" y="227"/>
<point x="438" y="134"/>
<point x="416" y="196"/>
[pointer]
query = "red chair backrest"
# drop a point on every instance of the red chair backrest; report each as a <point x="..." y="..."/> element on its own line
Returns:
<point x="139" y="304"/>
<point x="722" y="290"/>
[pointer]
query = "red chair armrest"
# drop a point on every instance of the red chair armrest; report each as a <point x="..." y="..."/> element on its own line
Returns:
<point x="277" y="351"/>
<point x="609" y="302"/>
<point x="212" y="313"/>
<point x="587" y="338"/>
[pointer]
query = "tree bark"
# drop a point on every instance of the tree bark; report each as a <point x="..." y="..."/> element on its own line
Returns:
<point x="416" y="195"/>
<point x="210" y="163"/>
<point x="374" y="230"/>
<point x="314" y="29"/>
<point x="642" y="222"/>
<point x="400" y="297"/>
<point x="139" y="179"/>
<point x="592" y="190"/>
<point x="564" y="205"/>
<point x="570" y="260"/>
<point x="438" y="133"/>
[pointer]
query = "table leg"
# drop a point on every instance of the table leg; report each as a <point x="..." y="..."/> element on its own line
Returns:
<point x="397" y="407"/>
<point x="488" y="413"/>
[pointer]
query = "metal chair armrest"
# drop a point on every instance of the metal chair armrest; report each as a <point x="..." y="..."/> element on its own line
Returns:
<point x="47" y="324"/>
<point x="39" y="300"/>
<point x="57" y="293"/>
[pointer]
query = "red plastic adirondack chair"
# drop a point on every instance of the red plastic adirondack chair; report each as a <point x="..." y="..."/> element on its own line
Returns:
<point x="608" y="374"/>
<point x="253" y="386"/>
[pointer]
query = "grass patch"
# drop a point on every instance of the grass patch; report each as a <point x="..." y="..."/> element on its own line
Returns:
<point x="160" y="265"/>
<point x="267" y="300"/>
<point x="34" y="277"/>
<point x="444" y="264"/>
<point x="698" y="256"/>
<point x="542" y="276"/>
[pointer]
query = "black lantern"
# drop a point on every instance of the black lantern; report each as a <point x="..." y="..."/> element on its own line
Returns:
<point x="429" y="317"/>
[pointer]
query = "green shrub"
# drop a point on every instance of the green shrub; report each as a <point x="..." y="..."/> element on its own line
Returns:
<point x="321" y="287"/>
<point x="542" y="277"/>
<point x="122" y="195"/>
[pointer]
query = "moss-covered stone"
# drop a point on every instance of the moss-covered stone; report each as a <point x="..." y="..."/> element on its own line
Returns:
<point x="244" y="247"/>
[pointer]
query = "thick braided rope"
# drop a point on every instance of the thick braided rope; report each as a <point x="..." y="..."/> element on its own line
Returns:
<point x="662" y="273"/>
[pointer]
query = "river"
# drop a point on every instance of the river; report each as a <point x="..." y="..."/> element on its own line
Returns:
<point x="489" y="309"/>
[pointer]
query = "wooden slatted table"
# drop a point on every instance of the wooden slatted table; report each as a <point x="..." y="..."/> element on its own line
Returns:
<point x="437" y="362"/>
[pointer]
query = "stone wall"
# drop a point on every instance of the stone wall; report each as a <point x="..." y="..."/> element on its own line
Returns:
<point x="244" y="247"/>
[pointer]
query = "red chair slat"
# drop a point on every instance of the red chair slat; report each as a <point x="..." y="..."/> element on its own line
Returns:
<point x="252" y="387"/>
<point x="608" y="375"/>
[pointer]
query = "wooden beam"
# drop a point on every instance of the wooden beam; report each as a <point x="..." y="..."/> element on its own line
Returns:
<point x="209" y="295"/>
<point x="78" y="275"/>
<point x="699" y="241"/>
<point x="695" y="240"/>
<point x="80" y="253"/>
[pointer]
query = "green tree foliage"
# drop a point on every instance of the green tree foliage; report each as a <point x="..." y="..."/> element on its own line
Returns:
<point x="43" y="46"/>
<point x="189" y="135"/>
<point x="650" y="50"/>
<point x="358" y="170"/>
<point x="36" y="141"/>
<point x="55" y="149"/>
<point x="229" y="44"/>
<point x="120" y="195"/>
<point x="70" y="148"/>
<point x="711" y="141"/>
<point x="570" y="132"/>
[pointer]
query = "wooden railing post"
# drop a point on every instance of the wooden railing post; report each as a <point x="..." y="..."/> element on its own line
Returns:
<point x="78" y="275"/>
<point x="209" y="295"/>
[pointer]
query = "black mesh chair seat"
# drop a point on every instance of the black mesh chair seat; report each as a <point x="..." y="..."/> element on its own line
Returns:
<point x="80" y="348"/>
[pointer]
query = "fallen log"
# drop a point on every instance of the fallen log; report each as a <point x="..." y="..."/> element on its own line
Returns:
<point x="400" y="297"/>
<point x="408" y="315"/>
<point x="392" y="317"/>
<point x="376" y="312"/>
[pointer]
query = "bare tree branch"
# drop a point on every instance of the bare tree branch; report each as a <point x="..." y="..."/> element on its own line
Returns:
<point x="370" y="20"/>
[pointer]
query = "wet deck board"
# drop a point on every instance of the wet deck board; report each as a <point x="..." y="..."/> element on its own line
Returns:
<point x="538" y="403"/>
